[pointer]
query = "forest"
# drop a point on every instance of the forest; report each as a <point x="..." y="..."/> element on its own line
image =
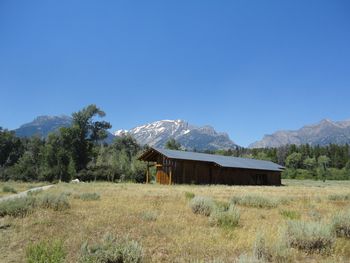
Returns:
<point x="79" y="152"/>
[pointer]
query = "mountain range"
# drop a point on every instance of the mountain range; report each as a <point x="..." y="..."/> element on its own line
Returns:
<point x="323" y="133"/>
<point x="202" y="138"/>
<point x="189" y="136"/>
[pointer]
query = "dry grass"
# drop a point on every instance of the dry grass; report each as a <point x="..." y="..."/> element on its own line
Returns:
<point x="176" y="234"/>
<point x="18" y="186"/>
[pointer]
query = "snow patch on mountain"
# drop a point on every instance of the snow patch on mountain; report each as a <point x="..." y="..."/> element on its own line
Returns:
<point x="191" y="137"/>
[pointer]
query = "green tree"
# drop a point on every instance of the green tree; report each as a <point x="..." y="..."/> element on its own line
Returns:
<point x="347" y="166"/>
<point x="84" y="134"/>
<point x="127" y="144"/>
<point x="172" y="144"/>
<point x="293" y="163"/>
<point x="11" y="148"/>
<point x="311" y="164"/>
<point x="29" y="165"/>
<point x="58" y="163"/>
<point x="263" y="156"/>
<point x="293" y="160"/>
<point x="323" y="162"/>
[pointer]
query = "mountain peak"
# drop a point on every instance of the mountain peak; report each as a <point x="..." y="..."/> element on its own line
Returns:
<point x="326" y="121"/>
<point x="49" y="118"/>
<point x="190" y="136"/>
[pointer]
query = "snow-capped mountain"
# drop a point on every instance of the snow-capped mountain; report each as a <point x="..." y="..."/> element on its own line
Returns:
<point x="323" y="133"/>
<point x="189" y="136"/>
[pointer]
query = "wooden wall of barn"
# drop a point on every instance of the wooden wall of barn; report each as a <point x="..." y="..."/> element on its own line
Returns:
<point x="192" y="172"/>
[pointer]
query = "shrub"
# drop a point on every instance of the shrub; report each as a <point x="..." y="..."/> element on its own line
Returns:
<point x="222" y="206"/>
<point x="248" y="259"/>
<point x="88" y="196"/>
<point x="67" y="193"/>
<point x="202" y="205"/>
<point x="315" y="215"/>
<point x="229" y="218"/>
<point x="18" y="207"/>
<point x="46" y="252"/>
<point x="189" y="195"/>
<point x="309" y="236"/>
<point x="278" y="251"/>
<point x="8" y="189"/>
<point x="339" y="197"/>
<point x="290" y="214"/>
<point x="255" y="201"/>
<point x="111" y="249"/>
<point x="149" y="216"/>
<point x="55" y="202"/>
<point x="341" y="224"/>
<point x="281" y="253"/>
<point x="260" y="250"/>
<point x="34" y="192"/>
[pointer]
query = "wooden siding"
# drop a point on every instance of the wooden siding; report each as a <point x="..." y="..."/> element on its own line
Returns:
<point x="193" y="172"/>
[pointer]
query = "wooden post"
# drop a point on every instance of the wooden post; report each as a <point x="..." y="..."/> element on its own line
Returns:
<point x="169" y="168"/>
<point x="147" y="173"/>
<point x="170" y="174"/>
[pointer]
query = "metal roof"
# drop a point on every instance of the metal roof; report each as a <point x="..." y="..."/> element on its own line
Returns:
<point x="223" y="161"/>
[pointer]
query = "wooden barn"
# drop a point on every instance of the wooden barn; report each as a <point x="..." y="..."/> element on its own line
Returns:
<point x="180" y="167"/>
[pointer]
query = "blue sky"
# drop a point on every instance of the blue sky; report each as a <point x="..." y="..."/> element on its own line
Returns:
<point x="245" y="67"/>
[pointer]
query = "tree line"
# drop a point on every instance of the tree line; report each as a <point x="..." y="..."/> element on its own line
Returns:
<point x="304" y="161"/>
<point x="79" y="152"/>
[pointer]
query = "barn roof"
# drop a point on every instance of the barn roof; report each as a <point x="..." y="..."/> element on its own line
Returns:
<point x="223" y="161"/>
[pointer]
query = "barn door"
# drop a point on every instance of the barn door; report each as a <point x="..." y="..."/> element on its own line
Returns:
<point x="161" y="176"/>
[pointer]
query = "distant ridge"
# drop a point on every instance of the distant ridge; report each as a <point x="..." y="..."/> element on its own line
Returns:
<point x="322" y="133"/>
<point x="43" y="125"/>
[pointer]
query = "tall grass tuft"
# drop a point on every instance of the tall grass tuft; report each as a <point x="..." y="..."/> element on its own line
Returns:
<point x="189" y="195"/>
<point x="18" y="207"/>
<point x="248" y="259"/>
<point x="111" y="249"/>
<point x="260" y="249"/>
<point x="341" y="224"/>
<point x="309" y="236"/>
<point x="34" y="192"/>
<point x="46" y="252"/>
<point x="339" y="197"/>
<point x="9" y="189"/>
<point x="257" y="201"/>
<point x="290" y="214"/>
<point x="55" y="202"/>
<point x="225" y="218"/>
<point x="202" y="205"/>
<point x="149" y="216"/>
<point x="88" y="196"/>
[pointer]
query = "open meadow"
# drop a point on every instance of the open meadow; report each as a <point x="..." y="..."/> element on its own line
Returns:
<point x="298" y="222"/>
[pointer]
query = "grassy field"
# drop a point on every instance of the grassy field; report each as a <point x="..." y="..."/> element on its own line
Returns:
<point x="9" y="188"/>
<point x="160" y="219"/>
